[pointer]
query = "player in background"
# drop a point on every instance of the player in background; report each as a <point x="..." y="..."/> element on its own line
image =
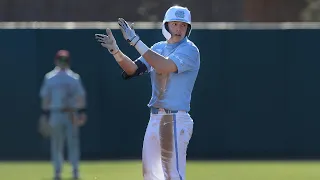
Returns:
<point x="64" y="109"/>
<point x="173" y="66"/>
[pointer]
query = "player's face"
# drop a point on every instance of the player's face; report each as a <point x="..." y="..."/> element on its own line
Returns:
<point x="62" y="62"/>
<point x="178" y="31"/>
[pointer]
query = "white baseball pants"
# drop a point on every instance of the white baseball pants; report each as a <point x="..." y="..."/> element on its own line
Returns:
<point x="165" y="145"/>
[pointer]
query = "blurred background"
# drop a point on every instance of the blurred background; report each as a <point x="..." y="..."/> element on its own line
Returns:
<point x="153" y="10"/>
<point x="256" y="98"/>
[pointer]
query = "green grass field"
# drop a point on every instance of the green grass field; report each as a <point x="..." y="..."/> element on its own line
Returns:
<point x="196" y="170"/>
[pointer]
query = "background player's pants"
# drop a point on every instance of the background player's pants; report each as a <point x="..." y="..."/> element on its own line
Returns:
<point x="165" y="146"/>
<point x="63" y="129"/>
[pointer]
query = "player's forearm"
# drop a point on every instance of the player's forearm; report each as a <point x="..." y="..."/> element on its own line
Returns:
<point x="125" y="63"/>
<point x="157" y="61"/>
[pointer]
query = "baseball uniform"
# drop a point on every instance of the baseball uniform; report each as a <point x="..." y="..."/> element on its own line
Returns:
<point x="170" y="126"/>
<point x="62" y="87"/>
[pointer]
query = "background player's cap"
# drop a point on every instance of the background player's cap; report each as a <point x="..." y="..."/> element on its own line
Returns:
<point x="62" y="53"/>
<point x="176" y="13"/>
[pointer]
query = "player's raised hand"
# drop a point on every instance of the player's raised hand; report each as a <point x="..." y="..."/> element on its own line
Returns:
<point x="108" y="41"/>
<point x="128" y="32"/>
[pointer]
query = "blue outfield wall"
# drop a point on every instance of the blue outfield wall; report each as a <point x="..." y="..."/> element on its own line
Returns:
<point x="257" y="94"/>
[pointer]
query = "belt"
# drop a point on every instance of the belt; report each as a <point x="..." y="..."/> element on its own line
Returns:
<point x="154" y="110"/>
<point x="64" y="110"/>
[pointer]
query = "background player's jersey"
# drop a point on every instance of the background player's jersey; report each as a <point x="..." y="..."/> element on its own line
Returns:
<point x="173" y="91"/>
<point x="61" y="87"/>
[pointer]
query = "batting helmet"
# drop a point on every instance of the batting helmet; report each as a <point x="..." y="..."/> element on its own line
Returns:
<point x="176" y="13"/>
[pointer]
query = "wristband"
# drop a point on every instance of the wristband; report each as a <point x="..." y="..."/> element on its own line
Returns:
<point x="141" y="47"/>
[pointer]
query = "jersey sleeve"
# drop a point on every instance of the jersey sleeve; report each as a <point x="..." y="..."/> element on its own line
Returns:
<point x="186" y="58"/>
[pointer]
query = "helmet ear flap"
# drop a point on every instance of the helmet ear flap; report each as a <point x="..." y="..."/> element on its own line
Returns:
<point x="188" y="30"/>
<point x="166" y="26"/>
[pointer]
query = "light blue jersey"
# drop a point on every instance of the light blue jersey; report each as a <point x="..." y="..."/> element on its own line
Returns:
<point x="173" y="91"/>
<point x="61" y="87"/>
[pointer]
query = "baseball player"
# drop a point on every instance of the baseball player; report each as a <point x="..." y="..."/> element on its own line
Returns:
<point x="63" y="107"/>
<point x="173" y="66"/>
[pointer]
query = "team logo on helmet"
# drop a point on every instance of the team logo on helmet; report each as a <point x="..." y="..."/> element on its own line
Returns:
<point x="179" y="14"/>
